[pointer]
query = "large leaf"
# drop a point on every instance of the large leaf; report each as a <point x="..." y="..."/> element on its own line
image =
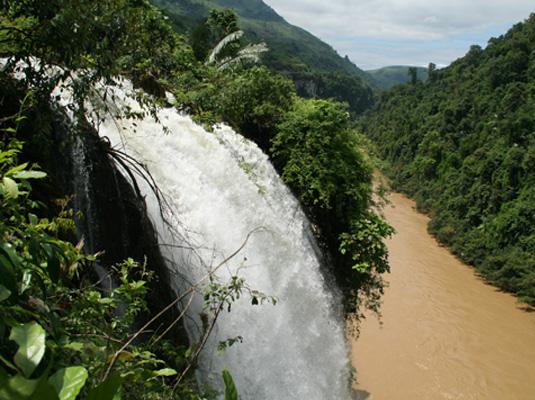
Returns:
<point x="232" y="37"/>
<point x="16" y="169"/>
<point x="9" y="263"/>
<point x="7" y="273"/>
<point x="11" y="189"/>
<point x="231" y="393"/>
<point x="44" y="391"/>
<point x="4" y="293"/>
<point x="107" y="390"/>
<point x="8" y="251"/>
<point x="68" y="382"/>
<point x="18" y="388"/>
<point x="31" y="340"/>
<point x="30" y="175"/>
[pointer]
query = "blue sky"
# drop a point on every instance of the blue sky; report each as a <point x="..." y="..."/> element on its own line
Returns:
<point x="377" y="33"/>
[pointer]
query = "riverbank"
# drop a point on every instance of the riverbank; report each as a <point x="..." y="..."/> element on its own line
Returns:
<point x="446" y="334"/>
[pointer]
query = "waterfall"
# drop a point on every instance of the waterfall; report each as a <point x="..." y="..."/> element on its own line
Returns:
<point x="220" y="190"/>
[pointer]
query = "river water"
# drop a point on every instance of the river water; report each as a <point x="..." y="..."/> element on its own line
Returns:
<point x="445" y="334"/>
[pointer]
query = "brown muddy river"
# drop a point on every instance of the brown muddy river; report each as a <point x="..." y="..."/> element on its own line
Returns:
<point x="445" y="333"/>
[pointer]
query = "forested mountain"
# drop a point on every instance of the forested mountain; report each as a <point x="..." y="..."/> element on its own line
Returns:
<point x="463" y="144"/>
<point x="315" y="67"/>
<point x="387" y="77"/>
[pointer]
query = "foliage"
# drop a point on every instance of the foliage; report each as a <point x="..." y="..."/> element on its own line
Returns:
<point x="90" y="41"/>
<point x="463" y="145"/>
<point x="254" y="103"/>
<point x="227" y="53"/>
<point x="211" y="30"/>
<point x="320" y="160"/>
<point x="230" y="388"/>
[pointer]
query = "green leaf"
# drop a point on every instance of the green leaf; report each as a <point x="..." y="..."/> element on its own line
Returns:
<point x="9" y="263"/>
<point x="9" y="252"/>
<point x="68" y="382"/>
<point x="107" y="390"/>
<point x="26" y="282"/>
<point x="30" y="175"/>
<point x="231" y="393"/>
<point x="31" y="340"/>
<point x="76" y="346"/>
<point x="44" y="391"/>
<point x="105" y="300"/>
<point x="3" y="377"/>
<point x="35" y="250"/>
<point x="33" y="219"/>
<point x="7" y="363"/>
<point x="4" y="293"/>
<point x="11" y="189"/>
<point x="363" y="267"/>
<point x="16" y="169"/>
<point x="18" y="388"/>
<point x="7" y="273"/>
<point x="164" y="372"/>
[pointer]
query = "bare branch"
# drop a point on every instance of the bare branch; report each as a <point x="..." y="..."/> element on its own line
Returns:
<point x="191" y="290"/>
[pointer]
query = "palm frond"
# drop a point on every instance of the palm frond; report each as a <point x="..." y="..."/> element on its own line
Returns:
<point x="249" y="53"/>
<point x="256" y="49"/>
<point x="232" y="37"/>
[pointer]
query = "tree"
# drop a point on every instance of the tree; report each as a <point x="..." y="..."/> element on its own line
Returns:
<point x="250" y="53"/>
<point x="319" y="156"/>
<point x="90" y="41"/>
<point x="254" y="102"/>
<point x="208" y="33"/>
<point x="413" y="73"/>
<point x="431" y="71"/>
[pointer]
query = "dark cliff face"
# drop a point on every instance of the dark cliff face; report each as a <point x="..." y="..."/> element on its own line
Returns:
<point x="114" y="221"/>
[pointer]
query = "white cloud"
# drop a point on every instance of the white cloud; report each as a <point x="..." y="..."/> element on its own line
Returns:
<point x="413" y="26"/>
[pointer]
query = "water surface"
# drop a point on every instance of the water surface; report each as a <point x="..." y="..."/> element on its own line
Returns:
<point x="445" y="334"/>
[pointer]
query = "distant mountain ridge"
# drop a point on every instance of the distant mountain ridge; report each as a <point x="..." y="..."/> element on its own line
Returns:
<point x="315" y="66"/>
<point x="258" y="20"/>
<point x="388" y="77"/>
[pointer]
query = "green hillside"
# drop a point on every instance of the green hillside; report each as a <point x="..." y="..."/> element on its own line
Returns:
<point x="388" y="77"/>
<point x="315" y="67"/>
<point x="463" y="144"/>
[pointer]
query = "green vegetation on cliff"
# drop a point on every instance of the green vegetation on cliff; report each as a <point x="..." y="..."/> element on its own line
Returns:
<point x="463" y="145"/>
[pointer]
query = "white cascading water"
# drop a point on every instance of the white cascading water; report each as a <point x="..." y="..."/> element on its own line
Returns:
<point x="220" y="188"/>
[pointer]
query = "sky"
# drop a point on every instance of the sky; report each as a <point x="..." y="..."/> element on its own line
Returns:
<point x="377" y="33"/>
